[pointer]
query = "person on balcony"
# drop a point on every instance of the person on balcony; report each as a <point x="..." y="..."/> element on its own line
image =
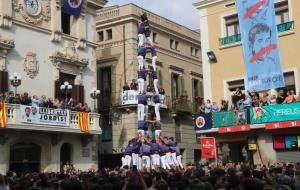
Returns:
<point x="126" y="87"/>
<point x="214" y="107"/>
<point x="208" y="106"/>
<point x="133" y="85"/>
<point x="35" y="101"/>
<point x="280" y="97"/>
<point x="26" y="100"/>
<point x="289" y="98"/>
<point x="247" y="102"/>
<point x="272" y="100"/>
<point x="224" y="105"/>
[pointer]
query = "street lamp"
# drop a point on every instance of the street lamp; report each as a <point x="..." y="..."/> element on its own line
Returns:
<point x="66" y="87"/>
<point x="94" y="95"/>
<point x="15" y="81"/>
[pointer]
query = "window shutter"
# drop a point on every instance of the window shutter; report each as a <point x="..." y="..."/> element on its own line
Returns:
<point x="201" y="88"/>
<point x="181" y="85"/>
<point x="3" y="81"/>
<point x="160" y="79"/>
<point x="78" y="93"/>
<point x="193" y="89"/>
<point x="57" y="89"/>
<point x="172" y="87"/>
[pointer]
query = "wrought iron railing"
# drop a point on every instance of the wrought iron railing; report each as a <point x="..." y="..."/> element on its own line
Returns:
<point x="284" y="27"/>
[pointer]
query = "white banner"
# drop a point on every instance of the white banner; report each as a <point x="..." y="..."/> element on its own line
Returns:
<point x="39" y="115"/>
<point x="130" y="97"/>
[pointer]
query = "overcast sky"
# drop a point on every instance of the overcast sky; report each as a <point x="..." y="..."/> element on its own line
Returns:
<point x="180" y="11"/>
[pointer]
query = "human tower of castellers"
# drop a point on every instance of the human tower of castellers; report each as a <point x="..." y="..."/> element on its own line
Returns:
<point x="143" y="152"/>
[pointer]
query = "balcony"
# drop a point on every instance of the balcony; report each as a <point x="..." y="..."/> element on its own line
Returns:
<point x="181" y="105"/>
<point x="14" y="121"/>
<point x="284" y="27"/>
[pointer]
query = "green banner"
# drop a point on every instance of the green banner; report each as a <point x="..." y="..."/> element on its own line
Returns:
<point x="275" y="113"/>
<point x="223" y="119"/>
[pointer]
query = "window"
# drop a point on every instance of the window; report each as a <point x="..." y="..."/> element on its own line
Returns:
<point x="282" y="12"/>
<point x="65" y="23"/>
<point x="289" y="79"/>
<point x="197" y="91"/>
<point x="177" y="45"/>
<point x="232" y="25"/>
<point x="109" y="34"/>
<point x="171" y="44"/>
<point x="154" y="37"/>
<point x="192" y="51"/>
<point x="175" y="85"/>
<point x="196" y="52"/>
<point x="100" y="36"/>
<point x="174" y="44"/>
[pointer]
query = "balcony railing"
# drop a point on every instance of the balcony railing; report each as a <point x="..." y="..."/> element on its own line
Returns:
<point x="182" y="105"/>
<point x="14" y="120"/>
<point x="284" y="27"/>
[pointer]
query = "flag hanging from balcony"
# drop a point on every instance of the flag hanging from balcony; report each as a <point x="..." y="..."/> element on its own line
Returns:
<point x="3" y="123"/>
<point x="72" y="7"/>
<point x="260" y="44"/>
<point x="84" y="121"/>
<point x="203" y="121"/>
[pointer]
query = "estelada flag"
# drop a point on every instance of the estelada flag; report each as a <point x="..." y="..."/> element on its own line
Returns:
<point x="2" y="115"/>
<point x="84" y="121"/>
<point x="208" y="147"/>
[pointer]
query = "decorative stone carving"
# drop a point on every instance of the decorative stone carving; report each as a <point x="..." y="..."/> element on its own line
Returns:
<point x="31" y="66"/>
<point x="5" y="47"/>
<point x="69" y="56"/>
<point x="56" y="36"/>
<point x="43" y="15"/>
<point x="81" y="44"/>
<point x="5" y="21"/>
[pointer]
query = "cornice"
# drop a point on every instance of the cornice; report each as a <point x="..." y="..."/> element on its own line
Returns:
<point x="175" y="68"/>
<point x="205" y="3"/>
<point x="6" y="44"/>
<point x="196" y="74"/>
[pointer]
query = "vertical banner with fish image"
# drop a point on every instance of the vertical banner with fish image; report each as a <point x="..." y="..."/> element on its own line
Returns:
<point x="260" y="44"/>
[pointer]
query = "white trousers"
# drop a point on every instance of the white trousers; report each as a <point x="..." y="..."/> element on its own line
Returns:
<point x="150" y="41"/>
<point x="154" y="58"/>
<point x="141" y="40"/>
<point x="141" y="112"/>
<point x="179" y="161"/>
<point x="174" y="159"/>
<point x="146" y="162"/>
<point x="164" y="162"/>
<point x="141" y="62"/>
<point x="155" y="81"/>
<point x="134" y="159"/>
<point x="127" y="160"/>
<point x="141" y="85"/>
<point x="155" y="160"/>
<point x="156" y="109"/>
<point x="146" y="112"/>
<point x="123" y="159"/>
<point x="139" y="162"/>
<point x="169" y="159"/>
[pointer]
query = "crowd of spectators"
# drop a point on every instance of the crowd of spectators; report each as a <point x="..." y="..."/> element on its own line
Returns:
<point x="229" y="176"/>
<point x="241" y="101"/>
<point x="43" y="101"/>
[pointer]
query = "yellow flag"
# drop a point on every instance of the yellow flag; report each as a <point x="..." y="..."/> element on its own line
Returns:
<point x="2" y="115"/>
<point x="84" y="121"/>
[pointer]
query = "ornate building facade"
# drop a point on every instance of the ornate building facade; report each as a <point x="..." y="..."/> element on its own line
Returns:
<point x="47" y="48"/>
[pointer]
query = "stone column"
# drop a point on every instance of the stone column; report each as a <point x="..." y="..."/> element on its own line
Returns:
<point x="6" y="14"/>
<point x="56" y="20"/>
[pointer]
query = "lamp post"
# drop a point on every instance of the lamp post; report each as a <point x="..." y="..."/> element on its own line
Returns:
<point x="94" y="95"/>
<point x="65" y="88"/>
<point x="15" y="81"/>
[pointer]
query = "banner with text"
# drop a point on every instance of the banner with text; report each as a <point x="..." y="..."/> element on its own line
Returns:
<point x="208" y="147"/>
<point x="260" y="44"/>
<point x="275" y="113"/>
<point x="39" y="115"/>
<point x="129" y="97"/>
